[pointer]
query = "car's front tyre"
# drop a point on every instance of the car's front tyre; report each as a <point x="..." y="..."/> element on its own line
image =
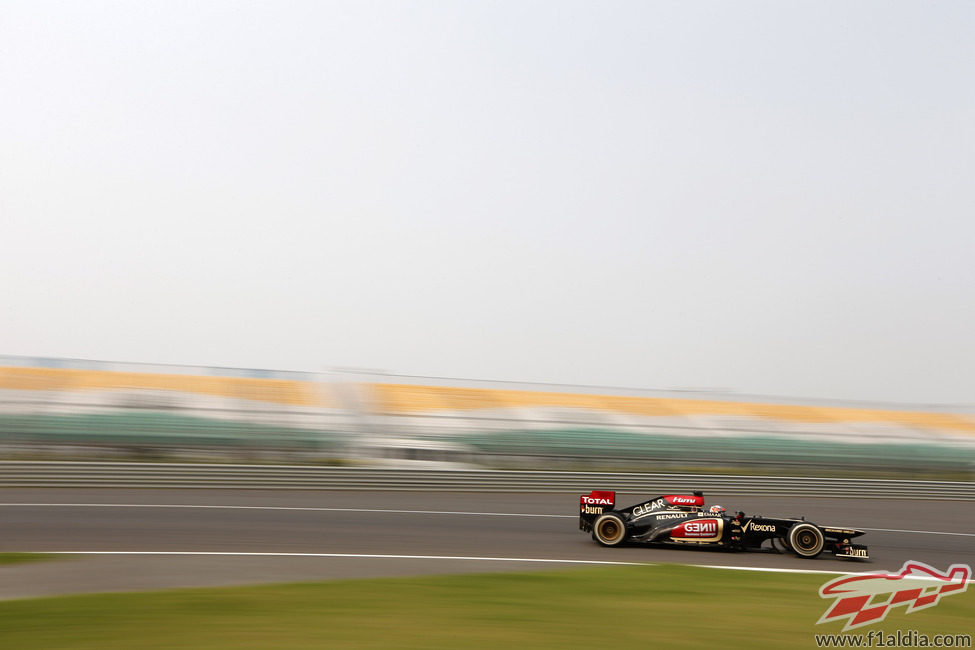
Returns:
<point x="806" y="540"/>
<point x="609" y="529"/>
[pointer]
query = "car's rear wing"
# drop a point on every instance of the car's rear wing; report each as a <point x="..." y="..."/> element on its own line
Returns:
<point x="594" y="504"/>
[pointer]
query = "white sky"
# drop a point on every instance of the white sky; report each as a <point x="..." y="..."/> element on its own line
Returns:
<point x="763" y="197"/>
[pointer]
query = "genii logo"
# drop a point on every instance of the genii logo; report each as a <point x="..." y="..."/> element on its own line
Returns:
<point x="704" y="528"/>
<point x="916" y="585"/>
<point x="700" y="530"/>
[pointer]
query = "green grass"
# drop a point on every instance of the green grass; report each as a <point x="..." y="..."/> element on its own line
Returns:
<point x="618" y="607"/>
<point x="17" y="558"/>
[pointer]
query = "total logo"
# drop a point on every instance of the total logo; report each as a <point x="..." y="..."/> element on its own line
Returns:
<point x="596" y="501"/>
<point x="591" y="510"/>
<point x="758" y="528"/>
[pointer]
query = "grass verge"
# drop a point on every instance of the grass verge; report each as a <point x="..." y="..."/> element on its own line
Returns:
<point x="17" y="558"/>
<point x="616" y="607"/>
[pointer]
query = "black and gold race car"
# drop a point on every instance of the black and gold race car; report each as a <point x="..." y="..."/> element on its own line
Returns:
<point x="679" y="519"/>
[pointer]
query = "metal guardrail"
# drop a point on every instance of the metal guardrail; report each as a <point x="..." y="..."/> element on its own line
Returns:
<point x="50" y="474"/>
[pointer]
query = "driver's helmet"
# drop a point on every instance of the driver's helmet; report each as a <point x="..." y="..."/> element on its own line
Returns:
<point x="717" y="510"/>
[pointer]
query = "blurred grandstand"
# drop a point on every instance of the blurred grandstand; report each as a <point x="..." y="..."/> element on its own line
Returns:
<point x="59" y="408"/>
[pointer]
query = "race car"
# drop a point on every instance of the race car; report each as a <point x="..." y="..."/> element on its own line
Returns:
<point x="680" y="519"/>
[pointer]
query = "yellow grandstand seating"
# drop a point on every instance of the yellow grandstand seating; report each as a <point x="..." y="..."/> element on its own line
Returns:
<point x="407" y="398"/>
<point x="281" y="391"/>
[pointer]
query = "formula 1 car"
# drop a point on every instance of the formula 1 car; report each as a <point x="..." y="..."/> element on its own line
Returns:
<point x="677" y="519"/>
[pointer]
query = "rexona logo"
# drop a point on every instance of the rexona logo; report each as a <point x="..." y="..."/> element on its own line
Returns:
<point x="682" y="500"/>
<point x="758" y="528"/>
<point x="916" y="585"/>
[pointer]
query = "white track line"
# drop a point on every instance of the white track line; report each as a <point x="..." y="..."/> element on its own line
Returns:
<point x="770" y="570"/>
<point x="766" y="569"/>
<point x="413" y="512"/>
<point x="387" y="556"/>
<point x="924" y="532"/>
<point x="465" y="558"/>
<point x="372" y="556"/>
<point x="306" y="508"/>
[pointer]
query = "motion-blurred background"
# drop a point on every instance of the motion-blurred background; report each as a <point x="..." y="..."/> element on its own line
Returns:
<point x="743" y="201"/>
<point x="64" y="408"/>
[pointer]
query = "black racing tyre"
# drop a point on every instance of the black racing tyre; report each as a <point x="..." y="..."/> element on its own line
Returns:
<point x="609" y="529"/>
<point x="806" y="540"/>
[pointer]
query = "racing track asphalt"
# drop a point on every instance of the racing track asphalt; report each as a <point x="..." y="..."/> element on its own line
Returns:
<point x="454" y="525"/>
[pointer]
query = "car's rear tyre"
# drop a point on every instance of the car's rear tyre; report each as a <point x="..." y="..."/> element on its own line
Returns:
<point x="609" y="529"/>
<point x="806" y="540"/>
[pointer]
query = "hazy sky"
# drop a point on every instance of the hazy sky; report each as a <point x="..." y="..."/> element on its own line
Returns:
<point x="763" y="197"/>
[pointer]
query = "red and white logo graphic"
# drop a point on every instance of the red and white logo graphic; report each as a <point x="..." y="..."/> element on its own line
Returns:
<point x="598" y="498"/>
<point x="695" y="529"/>
<point x="863" y="599"/>
<point x="684" y="500"/>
